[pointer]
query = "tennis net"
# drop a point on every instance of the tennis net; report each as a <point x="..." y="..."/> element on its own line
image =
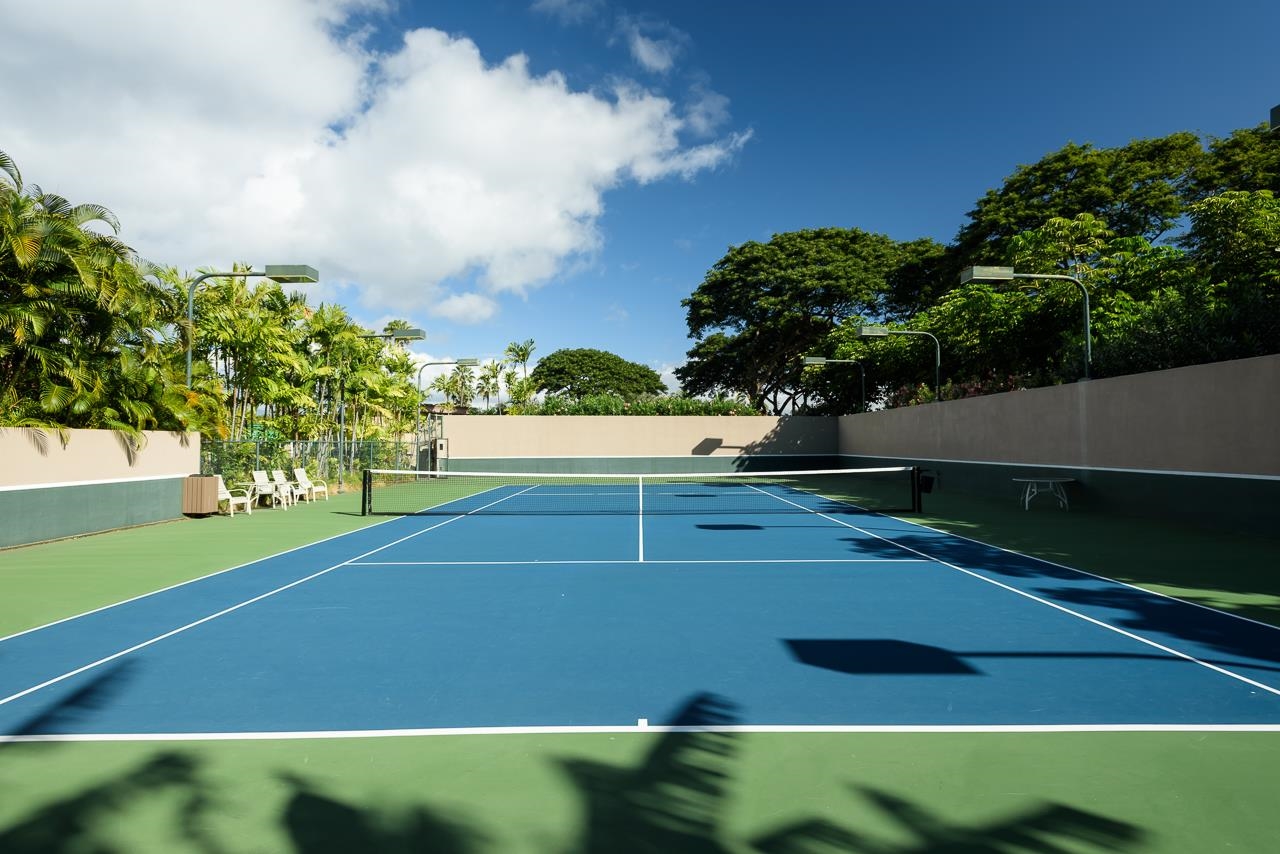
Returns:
<point x="454" y="493"/>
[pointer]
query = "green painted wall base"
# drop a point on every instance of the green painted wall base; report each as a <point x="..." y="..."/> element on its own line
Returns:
<point x="643" y="465"/>
<point x="51" y="513"/>
<point x="1212" y="501"/>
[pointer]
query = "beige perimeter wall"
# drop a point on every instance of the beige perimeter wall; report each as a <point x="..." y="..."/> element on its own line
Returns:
<point x="1222" y="418"/>
<point x="33" y="457"/>
<point x="635" y="436"/>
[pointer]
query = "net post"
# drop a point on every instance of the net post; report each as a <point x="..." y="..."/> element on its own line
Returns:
<point x="917" y="504"/>
<point x="366" y="492"/>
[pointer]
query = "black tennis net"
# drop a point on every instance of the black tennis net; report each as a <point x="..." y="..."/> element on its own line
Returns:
<point x="454" y="493"/>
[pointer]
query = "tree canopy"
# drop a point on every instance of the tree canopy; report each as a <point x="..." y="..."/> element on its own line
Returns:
<point x="1107" y="216"/>
<point x="763" y="305"/>
<point x="581" y="372"/>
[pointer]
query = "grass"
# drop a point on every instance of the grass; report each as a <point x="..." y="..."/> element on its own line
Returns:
<point x="645" y="792"/>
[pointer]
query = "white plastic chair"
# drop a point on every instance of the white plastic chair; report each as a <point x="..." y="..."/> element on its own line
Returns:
<point x="244" y="498"/>
<point x="292" y="491"/>
<point x="264" y="488"/>
<point x="312" y="487"/>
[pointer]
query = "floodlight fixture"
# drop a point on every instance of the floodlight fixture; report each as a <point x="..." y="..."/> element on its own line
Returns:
<point x="1001" y="274"/>
<point x="399" y="335"/>
<point x="417" y="424"/>
<point x="986" y="274"/>
<point x="285" y="274"/>
<point x="884" y="332"/>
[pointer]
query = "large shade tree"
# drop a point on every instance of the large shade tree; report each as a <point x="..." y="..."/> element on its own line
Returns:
<point x="764" y="305"/>
<point x="578" y="373"/>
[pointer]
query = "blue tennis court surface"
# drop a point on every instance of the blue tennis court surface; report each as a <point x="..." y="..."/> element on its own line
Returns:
<point x="802" y="611"/>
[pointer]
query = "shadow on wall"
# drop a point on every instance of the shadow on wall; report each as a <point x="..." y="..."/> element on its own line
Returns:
<point x="814" y="437"/>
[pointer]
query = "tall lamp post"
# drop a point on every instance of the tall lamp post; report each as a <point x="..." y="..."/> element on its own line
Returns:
<point x="883" y="331"/>
<point x="285" y="274"/>
<point x="820" y="361"/>
<point x="394" y="335"/>
<point x="1005" y="274"/>
<point x="399" y="335"/>
<point x="417" y="426"/>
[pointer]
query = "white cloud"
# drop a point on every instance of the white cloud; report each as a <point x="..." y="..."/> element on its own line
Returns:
<point x="706" y="111"/>
<point x="654" y="45"/>
<point x="389" y="172"/>
<point x="567" y="11"/>
<point x="466" y="308"/>
<point x="667" y="372"/>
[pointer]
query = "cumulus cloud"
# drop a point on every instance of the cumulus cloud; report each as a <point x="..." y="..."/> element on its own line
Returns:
<point x="465" y="308"/>
<point x="391" y="171"/>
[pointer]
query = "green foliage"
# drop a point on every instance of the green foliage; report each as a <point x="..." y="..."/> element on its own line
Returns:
<point x="612" y="404"/>
<point x="581" y="373"/>
<point x="1134" y="188"/>
<point x="764" y="305"/>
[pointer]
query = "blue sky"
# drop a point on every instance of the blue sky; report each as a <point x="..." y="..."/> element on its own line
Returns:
<point x="576" y="194"/>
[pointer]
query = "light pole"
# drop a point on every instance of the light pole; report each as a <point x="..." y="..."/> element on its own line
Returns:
<point x="882" y="331"/>
<point x="399" y="335"/>
<point x="285" y="274"/>
<point x="417" y="425"/>
<point x="395" y="335"/>
<point x="862" y="372"/>
<point x="1005" y="274"/>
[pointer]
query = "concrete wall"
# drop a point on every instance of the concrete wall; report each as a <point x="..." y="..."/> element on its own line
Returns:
<point x="490" y="437"/>
<point x="94" y="483"/>
<point x="1221" y="418"/>
<point x="34" y="457"/>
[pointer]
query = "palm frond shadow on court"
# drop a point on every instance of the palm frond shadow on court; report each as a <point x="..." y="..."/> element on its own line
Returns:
<point x="675" y="801"/>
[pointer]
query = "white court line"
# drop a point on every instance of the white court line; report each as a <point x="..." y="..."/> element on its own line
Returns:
<point x="640" y="519"/>
<point x="632" y="562"/>
<point x="194" y="580"/>
<point x="927" y="729"/>
<point x="1054" y="605"/>
<point x="225" y="611"/>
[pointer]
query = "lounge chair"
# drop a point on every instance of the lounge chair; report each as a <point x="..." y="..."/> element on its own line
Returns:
<point x="292" y="490"/>
<point x="232" y="498"/>
<point x="312" y="487"/>
<point x="264" y="488"/>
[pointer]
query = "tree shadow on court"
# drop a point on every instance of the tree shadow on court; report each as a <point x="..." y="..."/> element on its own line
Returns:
<point x="80" y="705"/>
<point x="673" y="800"/>
<point x="1046" y="827"/>
<point x="84" y="821"/>
<point x="676" y="799"/>
<point x="88" y="821"/>
<point x="1150" y="614"/>
<point x="319" y="823"/>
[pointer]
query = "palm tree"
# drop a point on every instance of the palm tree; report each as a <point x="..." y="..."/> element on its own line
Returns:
<point x="489" y="382"/>
<point x="85" y="336"/>
<point x="519" y="352"/>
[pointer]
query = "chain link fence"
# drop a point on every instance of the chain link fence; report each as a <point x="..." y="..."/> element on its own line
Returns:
<point x="339" y="464"/>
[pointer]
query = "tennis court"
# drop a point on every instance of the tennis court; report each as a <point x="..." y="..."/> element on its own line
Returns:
<point x="693" y="664"/>
<point x="552" y="604"/>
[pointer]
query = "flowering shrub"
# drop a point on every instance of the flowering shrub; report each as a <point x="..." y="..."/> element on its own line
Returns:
<point x="612" y="404"/>
<point x="991" y="383"/>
